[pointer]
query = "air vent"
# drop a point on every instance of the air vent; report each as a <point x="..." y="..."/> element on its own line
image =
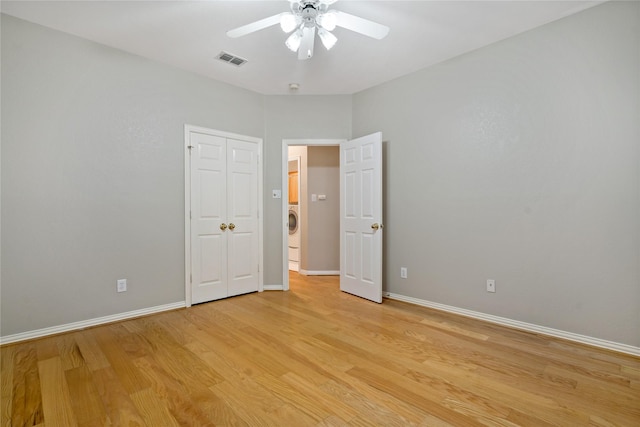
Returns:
<point x="231" y="59"/>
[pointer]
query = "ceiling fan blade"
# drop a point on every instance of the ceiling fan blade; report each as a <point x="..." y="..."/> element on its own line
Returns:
<point x="361" y="25"/>
<point x="254" y="26"/>
<point x="305" y="51"/>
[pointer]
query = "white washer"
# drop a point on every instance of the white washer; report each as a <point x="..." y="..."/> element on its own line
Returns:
<point x="294" y="237"/>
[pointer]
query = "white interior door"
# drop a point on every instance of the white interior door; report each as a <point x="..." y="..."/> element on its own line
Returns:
<point x="242" y="214"/>
<point x="208" y="217"/>
<point x="361" y="217"/>
<point x="224" y="248"/>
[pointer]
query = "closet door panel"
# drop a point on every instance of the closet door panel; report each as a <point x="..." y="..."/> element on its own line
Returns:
<point x="242" y="214"/>
<point x="208" y="213"/>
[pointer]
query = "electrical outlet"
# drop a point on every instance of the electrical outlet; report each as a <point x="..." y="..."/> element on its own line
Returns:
<point x="122" y="285"/>
<point x="403" y="272"/>
<point x="491" y="285"/>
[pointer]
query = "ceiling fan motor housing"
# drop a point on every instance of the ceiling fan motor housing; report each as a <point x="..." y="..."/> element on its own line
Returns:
<point x="309" y="11"/>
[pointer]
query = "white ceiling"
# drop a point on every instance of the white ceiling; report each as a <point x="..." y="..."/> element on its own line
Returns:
<point x="190" y="34"/>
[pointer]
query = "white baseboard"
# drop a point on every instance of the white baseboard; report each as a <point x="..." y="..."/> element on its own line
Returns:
<point x="320" y="272"/>
<point x="272" y="287"/>
<point x="583" y="339"/>
<point x="294" y="266"/>
<point x="39" y="333"/>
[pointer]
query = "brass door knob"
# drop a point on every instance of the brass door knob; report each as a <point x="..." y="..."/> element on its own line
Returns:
<point x="375" y="226"/>
<point x="223" y="226"/>
<point x="232" y="226"/>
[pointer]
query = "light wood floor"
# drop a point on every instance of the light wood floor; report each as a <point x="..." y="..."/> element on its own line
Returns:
<point x="313" y="357"/>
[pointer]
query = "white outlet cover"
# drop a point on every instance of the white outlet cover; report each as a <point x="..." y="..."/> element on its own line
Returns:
<point x="491" y="285"/>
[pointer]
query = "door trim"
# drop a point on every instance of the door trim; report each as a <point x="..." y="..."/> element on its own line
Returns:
<point x="187" y="203"/>
<point x="286" y="143"/>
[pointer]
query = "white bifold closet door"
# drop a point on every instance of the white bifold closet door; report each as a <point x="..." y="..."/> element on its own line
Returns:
<point x="224" y="217"/>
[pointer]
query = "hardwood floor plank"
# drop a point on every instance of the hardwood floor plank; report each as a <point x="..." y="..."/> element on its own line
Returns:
<point x="27" y="408"/>
<point x="70" y="355"/>
<point x="224" y="415"/>
<point x="431" y="421"/>
<point x="189" y="404"/>
<point x="325" y="357"/>
<point x="320" y="397"/>
<point x="293" y="397"/>
<point x="152" y="409"/>
<point x="120" y="360"/>
<point x="364" y="405"/>
<point x="90" y="351"/>
<point x="56" y="401"/>
<point x="6" y="384"/>
<point x="277" y="353"/>
<point x="85" y="399"/>
<point x="176" y="360"/>
<point x="395" y="386"/>
<point x="120" y="409"/>
<point x="521" y="419"/>
<point x="249" y="390"/>
<point x="409" y="414"/>
<point x="332" y="421"/>
<point x="630" y="371"/>
<point x="47" y="347"/>
<point x="314" y="356"/>
<point x="291" y="416"/>
<point x="236" y="394"/>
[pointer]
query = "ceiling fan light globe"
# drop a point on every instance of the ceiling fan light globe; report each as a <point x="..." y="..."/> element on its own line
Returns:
<point x="327" y="20"/>
<point x="293" y="41"/>
<point x="327" y="39"/>
<point x="288" y="22"/>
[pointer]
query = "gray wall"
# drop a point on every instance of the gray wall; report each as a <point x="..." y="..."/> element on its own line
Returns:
<point x="323" y="177"/>
<point x="519" y="162"/>
<point x="294" y="117"/>
<point x="93" y="176"/>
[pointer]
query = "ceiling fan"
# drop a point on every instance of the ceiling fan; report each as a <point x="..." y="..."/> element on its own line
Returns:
<point x="308" y="17"/>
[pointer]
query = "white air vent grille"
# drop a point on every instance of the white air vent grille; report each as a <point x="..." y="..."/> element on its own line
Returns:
<point x="231" y="59"/>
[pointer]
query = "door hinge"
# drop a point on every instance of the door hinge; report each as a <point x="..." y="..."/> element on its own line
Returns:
<point x="190" y="216"/>
<point x="190" y="278"/>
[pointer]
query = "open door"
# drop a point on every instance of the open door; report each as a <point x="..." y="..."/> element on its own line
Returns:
<point x="361" y="217"/>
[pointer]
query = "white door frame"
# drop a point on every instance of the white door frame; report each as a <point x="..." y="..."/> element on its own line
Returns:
<point x="285" y="196"/>
<point x="187" y="203"/>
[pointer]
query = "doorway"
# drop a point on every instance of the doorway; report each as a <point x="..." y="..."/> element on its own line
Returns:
<point x="305" y="199"/>
<point x="293" y="193"/>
